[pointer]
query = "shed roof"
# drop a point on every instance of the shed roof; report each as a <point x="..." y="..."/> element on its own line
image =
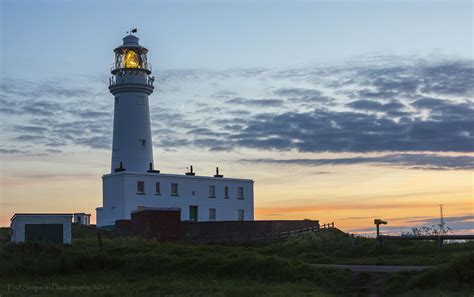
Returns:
<point x="41" y="214"/>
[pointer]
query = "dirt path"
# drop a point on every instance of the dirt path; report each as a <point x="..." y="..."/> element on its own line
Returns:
<point x="367" y="283"/>
<point x="369" y="280"/>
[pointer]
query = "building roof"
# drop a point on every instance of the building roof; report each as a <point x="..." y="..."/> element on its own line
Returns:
<point x="131" y="41"/>
<point x="82" y="213"/>
<point x="182" y="176"/>
<point x="40" y="214"/>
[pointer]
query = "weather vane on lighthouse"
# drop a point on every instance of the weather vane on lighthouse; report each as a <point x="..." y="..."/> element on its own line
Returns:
<point x="134" y="30"/>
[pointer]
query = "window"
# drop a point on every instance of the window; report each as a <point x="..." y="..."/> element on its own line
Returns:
<point x="142" y="142"/>
<point x="174" y="189"/>
<point x="212" y="191"/>
<point x="157" y="188"/>
<point x="240" y="193"/>
<point x="226" y="192"/>
<point x="79" y="219"/>
<point x="212" y="214"/>
<point x="140" y="187"/>
<point x="241" y="214"/>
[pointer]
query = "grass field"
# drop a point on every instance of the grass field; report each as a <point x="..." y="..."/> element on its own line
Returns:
<point x="139" y="267"/>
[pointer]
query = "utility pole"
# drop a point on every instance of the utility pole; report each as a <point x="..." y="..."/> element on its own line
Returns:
<point x="441" y="219"/>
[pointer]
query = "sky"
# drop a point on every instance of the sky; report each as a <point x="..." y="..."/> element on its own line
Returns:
<point x="339" y="111"/>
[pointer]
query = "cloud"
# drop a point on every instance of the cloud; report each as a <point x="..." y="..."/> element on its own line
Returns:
<point x="302" y="95"/>
<point x="449" y="78"/>
<point x="257" y="102"/>
<point x="30" y="129"/>
<point x="457" y="219"/>
<point x="338" y="206"/>
<point x="396" y="105"/>
<point x="414" y="161"/>
<point x="457" y="224"/>
<point x="58" y="89"/>
<point x="11" y="152"/>
<point x="446" y="78"/>
<point x="393" y="108"/>
<point x="324" y="130"/>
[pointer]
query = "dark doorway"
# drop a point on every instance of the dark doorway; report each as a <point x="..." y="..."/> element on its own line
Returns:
<point x="44" y="232"/>
<point x="193" y="213"/>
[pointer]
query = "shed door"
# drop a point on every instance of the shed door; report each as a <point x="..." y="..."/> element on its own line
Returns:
<point x="44" y="232"/>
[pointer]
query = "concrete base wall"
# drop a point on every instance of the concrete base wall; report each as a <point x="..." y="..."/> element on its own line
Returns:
<point x="165" y="224"/>
<point x="161" y="225"/>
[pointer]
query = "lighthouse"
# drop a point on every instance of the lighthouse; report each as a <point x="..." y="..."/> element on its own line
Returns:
<point x="131" y="84"/>
<point x="133" y="184"/>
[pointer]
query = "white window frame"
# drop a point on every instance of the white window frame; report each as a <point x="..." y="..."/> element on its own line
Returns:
<point x="240" y="192"/>
<point x="212" y="191"/>
<point x="174" y="193"/>
<point x="212" y="214"/>
<point x="157" y="188"/>
<point x="226" y="192"/>
<point x="241" y="215"/>
<point x="138" y="187"/>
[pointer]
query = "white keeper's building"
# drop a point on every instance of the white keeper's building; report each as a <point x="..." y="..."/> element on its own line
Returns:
<point x="133" y="182"/>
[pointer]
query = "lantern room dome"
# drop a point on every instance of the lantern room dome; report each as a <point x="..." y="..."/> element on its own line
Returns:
<point x="131" y="42"/>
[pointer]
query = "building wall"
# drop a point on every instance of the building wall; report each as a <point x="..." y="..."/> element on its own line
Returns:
<point x="162" y="225"/>
<point x="120" y="191"/>
<point x="227" y="231"/>
<point x="113" y="200"/>
<point x="19" y="222"/>
<point x="82" y="219"/>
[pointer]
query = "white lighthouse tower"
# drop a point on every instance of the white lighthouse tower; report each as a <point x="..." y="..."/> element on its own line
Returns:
<point x="133" y="184"/>
<point x="131" y="84"/>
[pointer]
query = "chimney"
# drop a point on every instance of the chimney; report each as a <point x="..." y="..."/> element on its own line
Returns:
<point x="120" y="169"/>
<point x="190" y="172"/>
<point x="151" y="170"/>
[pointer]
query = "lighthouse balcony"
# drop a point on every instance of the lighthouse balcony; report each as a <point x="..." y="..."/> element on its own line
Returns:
<point x="131" y="78"/>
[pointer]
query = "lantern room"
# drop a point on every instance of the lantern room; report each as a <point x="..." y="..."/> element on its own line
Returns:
<point x="131" y="56"/>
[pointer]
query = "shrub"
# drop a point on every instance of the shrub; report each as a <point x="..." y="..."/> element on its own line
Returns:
<point x="461" y="268"/>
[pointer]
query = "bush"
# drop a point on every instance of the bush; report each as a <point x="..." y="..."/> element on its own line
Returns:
<point x="461" y="268"/>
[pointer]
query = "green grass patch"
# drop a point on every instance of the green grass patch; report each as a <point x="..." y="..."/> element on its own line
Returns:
<point x="454" y="278"/>
<point x="137" y="267"/>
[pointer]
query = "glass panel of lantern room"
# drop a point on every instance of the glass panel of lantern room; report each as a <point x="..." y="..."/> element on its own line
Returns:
<point x="131" y="59"/>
